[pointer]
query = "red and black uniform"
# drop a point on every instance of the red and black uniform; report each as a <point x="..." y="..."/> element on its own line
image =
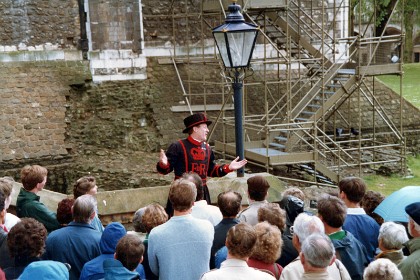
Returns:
<point x="189" y="155"/>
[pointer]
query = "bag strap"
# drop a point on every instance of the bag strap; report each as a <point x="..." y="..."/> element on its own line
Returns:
<point x="276" y="271"/>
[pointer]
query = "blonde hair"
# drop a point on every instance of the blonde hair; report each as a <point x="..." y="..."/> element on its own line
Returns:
<point x="268" y="246"/>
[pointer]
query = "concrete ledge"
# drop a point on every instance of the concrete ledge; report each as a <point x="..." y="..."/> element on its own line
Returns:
<point x="120" y="205"/>
<point x="41" y="55"/>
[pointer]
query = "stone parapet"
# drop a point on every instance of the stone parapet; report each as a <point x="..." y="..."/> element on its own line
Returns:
<point x="120" y="205"/>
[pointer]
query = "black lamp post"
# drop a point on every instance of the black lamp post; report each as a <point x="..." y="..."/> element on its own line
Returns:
<point x="235" y="40"/>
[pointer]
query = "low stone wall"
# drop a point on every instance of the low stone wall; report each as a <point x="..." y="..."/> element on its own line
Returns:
<point x="120" y="205"/>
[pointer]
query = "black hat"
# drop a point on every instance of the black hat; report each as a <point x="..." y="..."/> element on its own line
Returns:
<point x="194" y="120"/>
<point x="413" y="210"/>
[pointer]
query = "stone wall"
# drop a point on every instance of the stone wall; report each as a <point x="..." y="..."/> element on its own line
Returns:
<point x="33" y="23"/>
<point x="115" y="24"/>
<point x="388" y="100"/>
<point x="33" y="107"/>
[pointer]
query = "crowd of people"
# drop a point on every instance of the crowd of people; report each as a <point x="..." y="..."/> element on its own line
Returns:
<point x="265" y="240"/>
<point x="191" y="239"/>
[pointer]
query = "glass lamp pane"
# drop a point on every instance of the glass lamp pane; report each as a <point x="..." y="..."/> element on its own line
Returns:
<point x="240" y="47"/>
<point x="221" y="45"/>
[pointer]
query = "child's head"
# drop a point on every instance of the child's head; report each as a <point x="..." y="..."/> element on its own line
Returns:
<point x="130" y="251"/>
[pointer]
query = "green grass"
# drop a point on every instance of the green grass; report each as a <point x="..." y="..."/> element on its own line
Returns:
<point x="411" y="83"/>
<point x="411" y="92"/>
<point x="387" y="185"/>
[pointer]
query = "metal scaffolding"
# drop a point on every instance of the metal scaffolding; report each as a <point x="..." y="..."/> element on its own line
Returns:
<point x="311" y="102"/>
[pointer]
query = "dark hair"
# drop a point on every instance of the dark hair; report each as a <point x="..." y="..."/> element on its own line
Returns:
<point x="64" y="215"/>
<point x="353" y="187"/>
<point x="240" y="240"/>
<point x="153" y="216"/>
<point x="32" y="175"/>
<point x="182" y="194"/>
<point x="370" y="201"/>
<point x="26" y="239"/>
<point x="198" y="182"/>
<point x="229" y="203"/>
<point x="129" y="251"/>
<point x="257" y="187"/>
<point x="2" y="202"/>
<point x="332" y="210"/>
<point x="83" y="186"/>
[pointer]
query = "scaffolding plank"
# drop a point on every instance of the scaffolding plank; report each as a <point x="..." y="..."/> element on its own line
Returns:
<point x="201" y="108"/>
<point x="384" y="69"/>
<point x="214" y="5"/>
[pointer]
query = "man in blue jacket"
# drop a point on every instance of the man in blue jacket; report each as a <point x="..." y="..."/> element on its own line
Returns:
<point x="332" y="212"/>
<point x="78" y="242"/>
<point x="93" y="270"/>
<point x="128" y="255"/>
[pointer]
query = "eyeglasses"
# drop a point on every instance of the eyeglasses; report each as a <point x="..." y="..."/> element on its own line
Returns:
<point x="292" y="230"/>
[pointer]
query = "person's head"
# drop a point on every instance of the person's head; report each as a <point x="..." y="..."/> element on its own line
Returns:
<point x="85" y="185"/>
<point x="138" y="220"/>
<point x="84" y="209"/>
<point x="413" y="211"/>
<point x="268" y="246"/>
<point x="293" y="207"/>
<point x="129" y="251"/>
<point x="196" y="126"/>
<point x="27" y="239"/>
<point x="332" y="210"/>
<point x="392" y="236"/>
<point x="64" y="215"/>
<point x="51" y="270"/>
<point x="229" y="203"/>
<point x="294" y="191"/>
<point x="257" y="188"/>
<point x="33" y="177"/>
<point x="370" y="201"/>
<point x="182" y="195"/>
<point x="198" y="182"/>
<point x="317" y="251"/>
<point x="352" y="189"/>
<point x="240" y="240"/>
<point x="382" y="269"/>
<point x="273" y="214"/>
<point x="154" y="215"/>
<point x="113" y="232"/>
<point x="304" y="226"/>
<point x="6" y="187"/>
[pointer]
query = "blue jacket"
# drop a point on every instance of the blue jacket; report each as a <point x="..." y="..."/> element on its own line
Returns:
<point x="352" y="254"/>
<point x="93" y="269"/>
<point x="364" y="228"/>
<point x="114" y="270"/>
<point x="75" y="244"/>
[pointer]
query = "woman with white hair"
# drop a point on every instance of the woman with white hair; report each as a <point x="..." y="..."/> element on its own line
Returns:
<point x="382" y="269"/>
<point x="391" y="238"/>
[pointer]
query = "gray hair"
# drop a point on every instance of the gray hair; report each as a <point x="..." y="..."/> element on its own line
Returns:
<point x="306" y="225"/>
<point x="382" y="269"/>
<point x="318" y="250"/>
<point x="392" y="235"/>
<point x="83" y="208"/>
<point x="137" y="220"/>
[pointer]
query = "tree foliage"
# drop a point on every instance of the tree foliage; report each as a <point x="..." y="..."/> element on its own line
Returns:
<point x="379" y="12"/>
